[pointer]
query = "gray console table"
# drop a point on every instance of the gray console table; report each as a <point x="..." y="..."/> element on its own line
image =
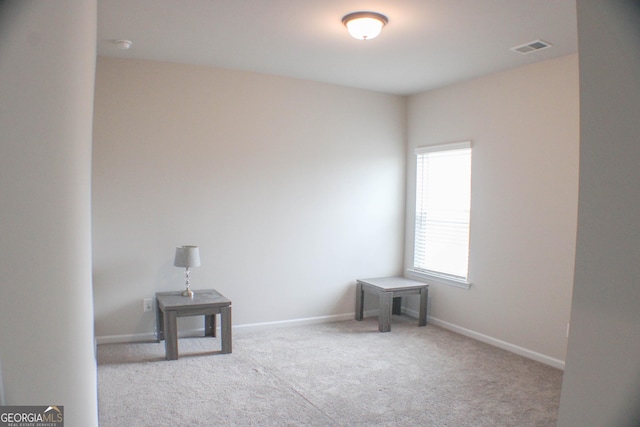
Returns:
<point x="390" y="291"/>
<point x="207" y="303"/>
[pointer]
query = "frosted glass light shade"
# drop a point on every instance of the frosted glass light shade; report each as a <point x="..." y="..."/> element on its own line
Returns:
<point x="364" y="25"/>
<point x="187" y="256"/>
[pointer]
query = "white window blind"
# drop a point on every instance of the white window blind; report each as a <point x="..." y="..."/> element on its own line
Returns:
<point x="443" y="201"/>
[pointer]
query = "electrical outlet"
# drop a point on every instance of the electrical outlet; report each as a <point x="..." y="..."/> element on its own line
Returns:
<point x="147" y="304"/>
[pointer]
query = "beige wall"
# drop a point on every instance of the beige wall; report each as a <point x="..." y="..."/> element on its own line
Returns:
<point x="240" y="163"/>
<point x="523" y="124"/>
<point x="292" y="190"/>
<point x="47" y="69"/>
<point x="601" y="384"/>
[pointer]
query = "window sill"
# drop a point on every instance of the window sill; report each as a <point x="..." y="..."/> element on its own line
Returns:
<point x="416" y="274"/>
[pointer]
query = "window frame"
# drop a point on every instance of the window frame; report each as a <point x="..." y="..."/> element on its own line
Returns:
<point x="423" y="274"/>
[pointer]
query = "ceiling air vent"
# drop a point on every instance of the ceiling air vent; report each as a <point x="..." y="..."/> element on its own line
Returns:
<point x="531" y="47"/>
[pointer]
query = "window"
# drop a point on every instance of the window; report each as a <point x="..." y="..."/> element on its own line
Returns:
<point x="443" y="202"/>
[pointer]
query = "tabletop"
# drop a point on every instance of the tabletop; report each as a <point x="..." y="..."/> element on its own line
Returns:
<point x="202" y="297"/>
<point x="394" y="283"/>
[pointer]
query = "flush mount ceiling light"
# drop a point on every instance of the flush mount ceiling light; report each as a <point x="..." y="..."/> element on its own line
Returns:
<point x="123" y="44"/>
<point x="364" y="25"/>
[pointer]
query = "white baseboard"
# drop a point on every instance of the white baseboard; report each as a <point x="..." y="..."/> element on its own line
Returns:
<point x="151" y="336"/>
<point x="128" y="338"/>
<point x="530" y="354"/>
<point x="295" y="322"/>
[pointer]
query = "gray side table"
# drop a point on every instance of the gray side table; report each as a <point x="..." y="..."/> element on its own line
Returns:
<point x="207" y="303"/>
<point x="389" y="291"/>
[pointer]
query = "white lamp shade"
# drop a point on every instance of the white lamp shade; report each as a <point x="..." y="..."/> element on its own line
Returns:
<point x="187" y="256"/>
<point x="364" y="25"/>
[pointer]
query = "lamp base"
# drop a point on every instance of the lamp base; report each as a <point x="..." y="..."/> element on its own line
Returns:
<point x="187" y="293"/>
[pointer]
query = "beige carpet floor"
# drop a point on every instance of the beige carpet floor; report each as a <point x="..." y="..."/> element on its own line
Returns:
<point x="333" y="374"/>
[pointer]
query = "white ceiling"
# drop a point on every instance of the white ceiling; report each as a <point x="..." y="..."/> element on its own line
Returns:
<point x="426" y="44"/>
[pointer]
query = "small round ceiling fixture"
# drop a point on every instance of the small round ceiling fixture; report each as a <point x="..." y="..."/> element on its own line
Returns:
<point x="364" y="25"/>
<point x="123" y="44"/>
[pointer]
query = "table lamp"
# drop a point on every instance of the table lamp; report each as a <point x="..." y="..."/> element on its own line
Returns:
<point x="187" y="257"/>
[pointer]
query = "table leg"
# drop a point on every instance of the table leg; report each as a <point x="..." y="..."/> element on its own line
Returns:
<point x="159" y="324"/>
<point x="424" y="298"/>
<point x="384" y="315"/>
<point x="359" y="301"/>
<point x="171" y="335"/>
<point x="225" y="326"/>
<point x="210" y="325"/>
<point x="397" y="305"/>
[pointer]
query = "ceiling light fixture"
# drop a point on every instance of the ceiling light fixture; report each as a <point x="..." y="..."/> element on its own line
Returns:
<point x="364" y="25"/>
<point x="123" y="44"/>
